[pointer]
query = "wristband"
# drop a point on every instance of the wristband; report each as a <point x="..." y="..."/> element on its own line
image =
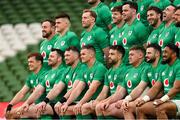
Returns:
<point x="62" y="100"/>
<point x="46" y="100"/>
<point x="9" y="107"/>
<point x="146" y="98"/>
<point x="128" y="98"/>
<point x="165" y="98"/>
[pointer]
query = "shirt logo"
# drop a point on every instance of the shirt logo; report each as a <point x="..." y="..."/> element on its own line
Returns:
<point x="62" y="43"/>
<point x="91" y="76"/>
<point x="135" y="75"/>
<point x="49" y="47"/>
<point x="138" y="16"/>
<point x="142" y="7"/>
<point x="85" y="76"/>
<point x="170" y="73"/>
<point x="52" y="76"/>
<point x="177" y="44"/>
<point x="69" y="84"/>
<point x="149" y="74"/>
<point x="89" y="83"/>
<point x="115" y="77"/>
<point x="111" y="85"/>
<point x="83" y="44"/>
<point x="161" y="42"/>
<point x="130" y="33"/>
<point x="120" y="35"/>
<point x="89" y="38"/>
<point x="129" y="83"/>
<point x="154" y="36"/>
<point x="153" y="82"/>
<point x="167" y="34"/>
<point x="31" y="81"/>
<point x="115" y="42"/>
<point x="163" y="73"/>
<point x="67" y="76"/>
<point x="43" y="54"/>
<point x="112" y="36"/>
<point x="148" y="43"/>
<point x="124" y="41"/>
<point x="47" y="84"/>
<point x="166" y="82"/>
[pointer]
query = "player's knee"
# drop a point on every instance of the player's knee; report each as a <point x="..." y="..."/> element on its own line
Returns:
<point x="160" y="110"/>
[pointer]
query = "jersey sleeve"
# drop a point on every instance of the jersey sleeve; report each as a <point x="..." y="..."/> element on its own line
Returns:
<point x="177" y="77"/>
<point x="99" y="74"/>
<point x="105" y="15"/>
<point x="74" y="41"/>
<point x="28" y="80"/>
<point x="102" y="38"/>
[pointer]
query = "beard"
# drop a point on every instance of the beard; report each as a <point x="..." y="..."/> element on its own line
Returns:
<point x="46" y="35"/>
<point x="150" y="60"/>
<point x="112" y="62"/>
<point x="177" y="24"/>
<point x="166" y="61"/>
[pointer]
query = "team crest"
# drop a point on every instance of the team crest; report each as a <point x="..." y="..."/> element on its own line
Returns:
<point x="69" y="84"/>
<point x="47" y="83"/>
<point x="31" y="81"/>
<point x="89" y="38"/>
<point x="115" y="42"/>
<point x="53" y="75"/>
<point x="62" y="43"/>
<point x="115" y="77"/>
<point x="166" y="82"/>
<point x="91" y="76"/>
<point x="135" y="75"/>
<point x="109" y="76"/>
<point x="170" y="74"/>
<point x="111" y="85"/>
<point x="154" y="36"/>
<point x="120" y="35"/>
<point x="49" y="47"/>
<point x="129" y="83"/>
<point x="67" y="77"/>
<point x="167" y="34"/>
<point x="130" y="33"/>
<point x="112" y="36"/>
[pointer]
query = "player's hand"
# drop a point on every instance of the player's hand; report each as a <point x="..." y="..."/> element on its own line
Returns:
<point x="64" y="108"/>
<point x="8" y="110"/>
<point x="104" y="105"/>
<point x="41" y="107"/>
<point x="77" y="108"/>
<point x="22" y="109"/>
<point x="157" y="102"/>
<point x="140" y="103"/>
<point x="125" y="105"/>
<point x="57" y="107"/>
<point x="118" y="104"/>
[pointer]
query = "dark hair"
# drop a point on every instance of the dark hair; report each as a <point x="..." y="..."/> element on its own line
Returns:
<point x="155" y="46"/>
<point x="178" y="7"/>
<point x="133" y="5"/>
<point x="138" y="47"/>
<point x="174" y="48"/>
<point x="37" y="56"/>
<point x="92" y="13"/>
<point x="117" y="9"/>
<point x="63" y="15"/>
<point x="60" y="52"/>
<point x="89" y="47"/>
<point x="156" y="9"/>
<point x="119" y="48"/>
<point x="50" y="21"/>
<point x="73" y="48"/>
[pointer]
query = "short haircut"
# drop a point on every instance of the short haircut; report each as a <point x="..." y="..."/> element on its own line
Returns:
<point x="50" y="21"/>
<point x="178" y="7"/>
<point x="174" y="48"/>
<point x="73" y="48"/>
<point x="156" y="9"/>
<point x="155" y="46"/>
<point x="133" y="5"/>
<point x="37" y="56"/>
<point x="89" y="47"/>
<point x="92" y="13"/>
<point x="59" y="52"/>
<point x="117" y="9"/>
<point x="63" y="15"/>
<point x="119" y="48"/>
<point x="138" y="47"/>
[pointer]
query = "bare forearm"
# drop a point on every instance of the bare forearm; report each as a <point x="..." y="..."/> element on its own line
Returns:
<point x="74" y="94"/>
<point x="17" y="98"/>
<point x="34" y="96"/>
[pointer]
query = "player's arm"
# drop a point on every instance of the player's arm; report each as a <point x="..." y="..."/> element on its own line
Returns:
<point x="103" y="94"/>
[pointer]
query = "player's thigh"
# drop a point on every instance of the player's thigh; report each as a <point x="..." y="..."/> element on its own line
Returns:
<point x="147" y="109"/>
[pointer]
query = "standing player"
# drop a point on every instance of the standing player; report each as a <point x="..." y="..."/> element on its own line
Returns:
<point x="48" y="33"/>
<point x="103" y="14"/>
<point x="66" y="37"/>
<point x="94" y="35"/>
<point x="35" y="62"/>
<point x="177" y="23"/>
<point x="116" y="32"/>
<point x="161" y="4"/>
<point x="131" y="34"/>
<point x="154" y="16"/>
<point x="168" y="105"/>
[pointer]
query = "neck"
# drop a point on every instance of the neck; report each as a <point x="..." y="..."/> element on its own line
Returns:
<point x="62" y="33"/>
<point x="95" y="4"/>
<point x="131" y="20"/>
<point x="91" y="62"/>
<point x="168" y="23"/>
<point x="137" y="63"/>
<point x="172" y="60"/>
<point x="155" y="63"/>
<point x="120" y="24"/>
<point x="51" y="36"/>
<point x="90" y="27"/>
<point x="38" y="69"/>
<point x="158" y="24"/>
<point x="56" y="65"/>
<point x="117" y="64"/>
<point x="75" y="63"/>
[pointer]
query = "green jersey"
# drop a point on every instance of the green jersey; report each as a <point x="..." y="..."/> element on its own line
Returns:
<point x="177" y="38"/>
<point x="132" y="36"/>
<point x="97" y="38"/>
<point x="96" y="72"/>
<point x="176" y="3"/>
<point x="114" y="76"/>
<point x="115" y="36"/>
<point x="133" y="77"/>
<point x="51" y="78"/>
<point x="153" y="73"/>
<point x="169" y="76"/>
<point x="34" y="79"/>
<point x="161" y="4"/>
<point x="67" y="40"/>
<point x="153" y="37"/>
<point x="104" y="17"/>
<point x="45" y="49"/>
<point x="167" y="35"/>
<point x="115" y="4"/>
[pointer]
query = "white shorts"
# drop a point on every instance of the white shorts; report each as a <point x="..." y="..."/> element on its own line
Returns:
<point x="177" y="102"/>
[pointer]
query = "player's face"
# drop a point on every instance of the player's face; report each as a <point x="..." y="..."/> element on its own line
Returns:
<point x="92" y="1"/>
<point x="150" y="55"/>
<point x="69" y="57"/>
<point x="133" y="56"/>
<point x="33" y="64"/>
<point x="113" y="57"/>
<point x="152" y="17"/>
<point x="86" y="19"/>
<point x="117" y="17"/>
<point x="177" y="18"/>
<point x="85" y="55"/>
<point x="168" y="13"/>
<point x="166" y="55"/>
<point x="127" y="12"/>
<point x="46" y="29"/>
<point x="53" y="58"/>
<point x="61" y="24"/>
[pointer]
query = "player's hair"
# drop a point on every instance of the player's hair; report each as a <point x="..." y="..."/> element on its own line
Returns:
<point x="52" y="23"/>
<point x="63" y="15"/>
<point x="155" y="46"/>
<point x="117" y="9"/>
<point x="59" y="52"/>
<point x="138" y="47"/>
<point x="174" y="48"/>
<point x="156" y="9"/>
<point x="178" y="7"/>
<point x="131" y="4"/>
<point x="73" y="48"/>
<point x="37" y="56"/>
<point x="119" y="48"/>
<point x="92" y="13"/>
<point x="89" y="47"/>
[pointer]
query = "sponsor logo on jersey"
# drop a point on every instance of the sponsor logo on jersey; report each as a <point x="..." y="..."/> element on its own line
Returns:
<point x="109" y="76"/>
<point x="89" y="83"/>
<point x="167" y="34"/>
<point x="177" y="44"/>
<point x="149" y="74"/>
<point x="124" y="41"/>
<point x="49" y="47"/>
<point x="170" y="73"/>
<point x="148" y="43"/>
<point x="130" y="33"/>
<point x="91" y="76"/>
<point x="85" y="76"/>
<point x="47" y="83"/>
<point x="142" y="7"/>
<point x="43" y="54"/>
<point x="69" y="84"/>
<point x="120" y="35"/>
<point x="153" y="82"/>
<point x="115" y="77"/>
<point x="67" y="77"/>
<point x="129" y="83"/>
<point x="161" y="42"/>
<point x="53" y="75"/>
<point x="62" y="43"/>
<point x="115" y="42"/>
<point x="138" y="16"/>
<point x="135" y="75"/>
<point x="166" y="82"/>
<point x="111" y="85"/>
<point x="89" y="38"/>
<point x="83" y="44"/>
<point x="154" y="36"/>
